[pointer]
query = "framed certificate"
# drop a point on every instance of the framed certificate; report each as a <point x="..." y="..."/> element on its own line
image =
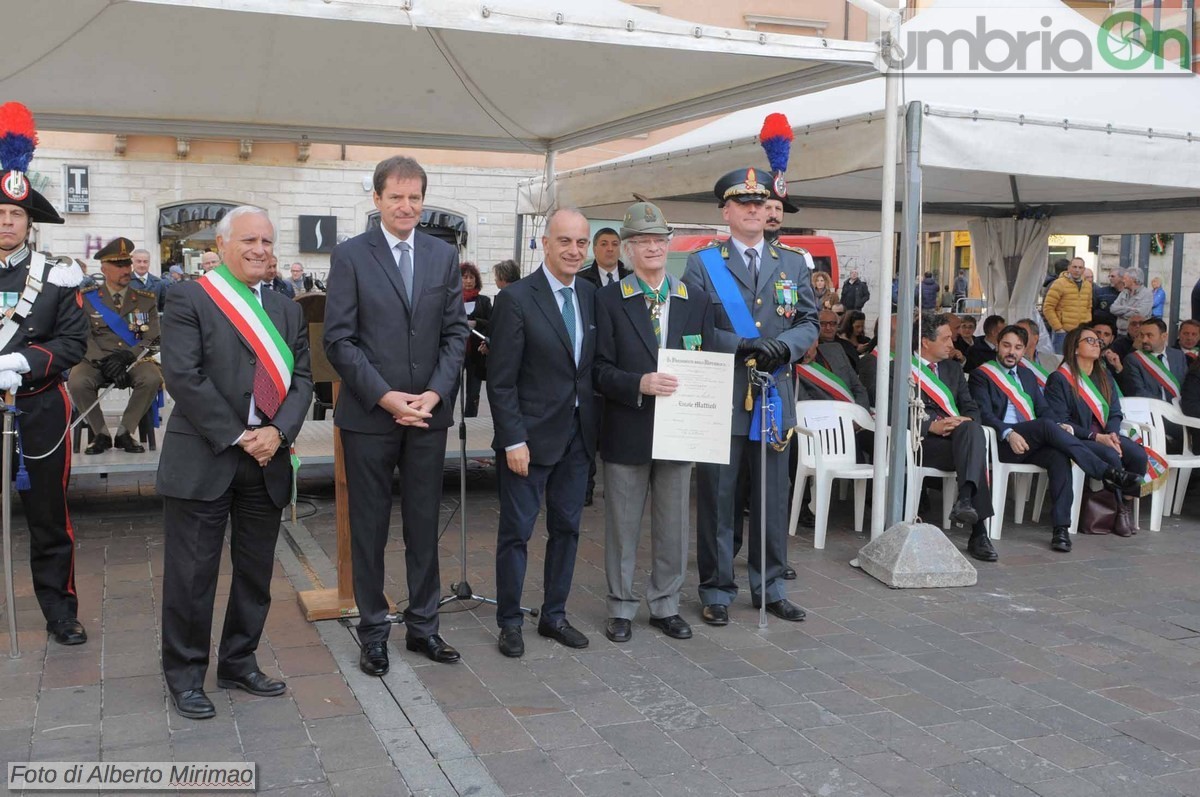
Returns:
<point x="694" y="424"/>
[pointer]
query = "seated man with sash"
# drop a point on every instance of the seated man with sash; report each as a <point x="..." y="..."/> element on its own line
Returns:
<point x="1011" y="402"/>
<point x="124" y="323"/>
<point x="951" y="437"/>
<point x="1154" y="371"/>
<point x="825" y="373"/>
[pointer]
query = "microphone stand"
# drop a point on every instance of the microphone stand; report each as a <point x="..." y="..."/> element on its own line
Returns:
<point x="461" y="590"/>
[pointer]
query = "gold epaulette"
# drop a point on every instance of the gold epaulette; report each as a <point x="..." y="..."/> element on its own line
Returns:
<point x="95" y="286"/>
<point x="795" y="249"/>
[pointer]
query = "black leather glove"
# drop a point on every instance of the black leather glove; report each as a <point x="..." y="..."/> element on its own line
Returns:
<point x="768" y="353"/>
<point x="113" y="367"/>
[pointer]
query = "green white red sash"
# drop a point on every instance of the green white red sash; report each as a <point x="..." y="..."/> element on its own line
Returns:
<point x="1010" y="387"/>
<point x="239" y="304"/>
<point x="1156" y="464"/>
<point x="1090" y="394"/>
<point x="933" y="387"/>
<point x="1038" y="371"/>
<point x="1160" y="372"/>
<point x="826" y="380"/>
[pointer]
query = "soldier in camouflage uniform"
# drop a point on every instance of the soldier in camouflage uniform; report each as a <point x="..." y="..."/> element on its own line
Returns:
<point x="124" y="322"/>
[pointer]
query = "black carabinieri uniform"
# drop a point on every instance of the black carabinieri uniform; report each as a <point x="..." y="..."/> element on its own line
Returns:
<point x="52" y="339"/>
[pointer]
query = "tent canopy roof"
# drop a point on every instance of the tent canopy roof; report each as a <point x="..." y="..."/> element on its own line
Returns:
<point x="1099" y="153"/>
<point x="506" y="75"/>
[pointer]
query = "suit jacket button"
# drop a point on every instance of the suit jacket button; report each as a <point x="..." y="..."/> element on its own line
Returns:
<point x="245" y="395"/>
<point x="252" y="361"/>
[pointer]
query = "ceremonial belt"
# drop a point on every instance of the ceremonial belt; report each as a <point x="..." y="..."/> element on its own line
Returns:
<point x="112" y="319"/>
<point x="1161" y="373"/>
<point x="1039" y="372"/>
<point x="934" y="387"/>
<point x="1011" y="388"/>
<point x="826" y="380"/>
<point x="1090" y="394"/>
<point x="33" y="289"/>
<point x="247" y="315"/>
<point x="728" y="292"/>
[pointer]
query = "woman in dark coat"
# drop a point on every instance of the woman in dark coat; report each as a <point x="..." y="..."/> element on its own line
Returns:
<point x="1083" y="395"/>
<point x="479" y="314"/>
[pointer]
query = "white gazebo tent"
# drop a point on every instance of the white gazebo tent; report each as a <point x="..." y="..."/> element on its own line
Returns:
<point x="1011" y="157"/>
<point x="502" y="75"/>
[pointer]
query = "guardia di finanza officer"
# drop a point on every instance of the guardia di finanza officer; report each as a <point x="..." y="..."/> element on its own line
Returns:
<point x="763" y="309"/>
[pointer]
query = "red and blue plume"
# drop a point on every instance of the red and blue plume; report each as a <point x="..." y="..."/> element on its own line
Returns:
<point x="776" y="139"/>
<point x="18" y="137"/>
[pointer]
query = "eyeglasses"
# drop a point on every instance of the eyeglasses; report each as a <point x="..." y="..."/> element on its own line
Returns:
<point x="1090" y="341"/>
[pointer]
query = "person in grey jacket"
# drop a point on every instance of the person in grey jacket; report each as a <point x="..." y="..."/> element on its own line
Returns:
<point x="1134" y="299"/>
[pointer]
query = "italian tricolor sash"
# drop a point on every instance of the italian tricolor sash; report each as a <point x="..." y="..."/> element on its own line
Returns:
<point x="1087" y="391"/>
<point x="933" y="387"/>
<point x="1156" y="465"/>
<point x="1160" y="372"/>
<point x="1010" y="387"/>
<point x="826" y="380"/>
<point x="238" y="303"/>
<point x="1038" y="371"/>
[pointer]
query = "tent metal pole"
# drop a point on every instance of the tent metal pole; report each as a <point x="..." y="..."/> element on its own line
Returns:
<point x="1177" y="280"/>
<point x="1143" y="263"/>
<point x="1125" y="259"/>
<point x="887" y="251"/>
<point x="898" y="426"/>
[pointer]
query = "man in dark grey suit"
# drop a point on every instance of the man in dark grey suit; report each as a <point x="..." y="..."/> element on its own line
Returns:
<point x="1154" y="370"/>
<point x="396" y="332"/>
<point x="771" y="293"/>
<point x="241" y="395"/>
<point x="543" y="407"/>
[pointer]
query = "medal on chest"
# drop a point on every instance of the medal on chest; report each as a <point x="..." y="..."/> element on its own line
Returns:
<point x="8" y="302"/>
<point x="786" y="297"/>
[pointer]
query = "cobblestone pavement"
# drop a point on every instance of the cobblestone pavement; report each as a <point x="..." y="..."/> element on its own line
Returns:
<point x="1057" y="675"/>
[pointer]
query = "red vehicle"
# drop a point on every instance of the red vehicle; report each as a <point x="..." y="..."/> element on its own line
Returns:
<point x="823" y="252"/>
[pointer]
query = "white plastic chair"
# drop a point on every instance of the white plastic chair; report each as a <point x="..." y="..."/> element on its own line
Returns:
<point x="916" y="478"/>
<point x="827" y="451"/>
<point x="1179" y="465"/>
<point x="1023" y="474"/>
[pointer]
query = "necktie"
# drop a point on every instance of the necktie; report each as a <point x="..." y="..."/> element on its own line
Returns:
<point x="752" y="263"/>
<point x="406" y="269"/>
<point x="266" y="393"/>
<point x="568" y="314"/>
<point x="608" y="278"/>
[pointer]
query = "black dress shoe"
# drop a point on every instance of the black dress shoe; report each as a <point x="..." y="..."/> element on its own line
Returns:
<point x="256" y="683"/>
<point x="434" y="647"/>
<point x="618" y="629"/>
<point x="963" y="512"/>
<point x="673" y="626"/>
<point x="1123" y="480"/>
<point x="126" y="443"/>
<point x="1060" y="540"/>
<point x="512" y="644"/>
<point x="101" y="444"/>
<point x="807" y="519"/>
<point x="715" y="614"/>
<point x="789" y="573"/>
<point x="67" y="632"/>
<point x="784" y="609"/>
<point x="563" y="634"/>
<point x="193" y="704"/>
<point x="373" y="659"/>
<point x="980" y="547"/>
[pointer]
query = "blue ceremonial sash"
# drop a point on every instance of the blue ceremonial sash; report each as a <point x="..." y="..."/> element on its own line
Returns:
<point x="114" y="321"/>
<point x="727" y="291"/>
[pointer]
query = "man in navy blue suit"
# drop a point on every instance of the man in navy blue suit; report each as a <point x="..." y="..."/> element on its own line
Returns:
<point x="543" y="409"/>
<point x="1011" y="402"/>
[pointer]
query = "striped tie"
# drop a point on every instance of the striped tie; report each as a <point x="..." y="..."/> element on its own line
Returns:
<point x="266" y="393"/>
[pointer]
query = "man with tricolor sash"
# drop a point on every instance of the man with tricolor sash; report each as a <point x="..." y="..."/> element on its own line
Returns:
<point x="824" y="373"/>
<point x="1154" y="371"/>
<point x="951" y="435"/>
<point x="763" y="310"/>
<point x="236" y="361"/>
<point x="1011" y="402"/>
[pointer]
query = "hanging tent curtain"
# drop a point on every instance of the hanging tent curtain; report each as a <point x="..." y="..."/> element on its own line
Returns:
<point x="1012" y="256"/>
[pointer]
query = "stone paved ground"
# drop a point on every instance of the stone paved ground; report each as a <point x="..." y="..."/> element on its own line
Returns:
<point x="1056" y="675"/>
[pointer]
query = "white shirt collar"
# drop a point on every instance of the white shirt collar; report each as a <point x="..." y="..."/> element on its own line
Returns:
<point x="741" y="248"/>
<point x="555" y="284"/>
<point x="393" y="240"/>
